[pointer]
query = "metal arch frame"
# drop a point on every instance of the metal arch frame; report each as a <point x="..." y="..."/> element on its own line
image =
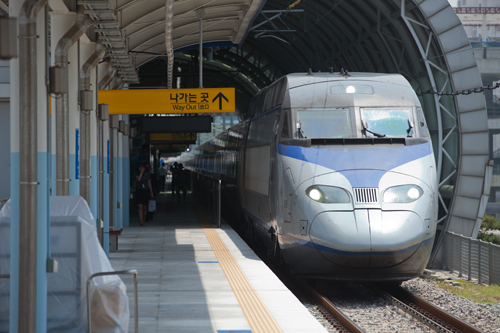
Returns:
<point x="430" y="73"/>
<point x="456" y="218"/>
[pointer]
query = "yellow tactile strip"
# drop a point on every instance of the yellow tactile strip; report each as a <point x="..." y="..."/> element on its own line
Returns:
<point x="258" y="316"/>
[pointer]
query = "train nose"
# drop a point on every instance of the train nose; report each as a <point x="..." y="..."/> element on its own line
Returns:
<point x="367" y="238"/>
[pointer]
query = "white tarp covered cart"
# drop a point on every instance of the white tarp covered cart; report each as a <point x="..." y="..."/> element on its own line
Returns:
<point x="76" y="248"/>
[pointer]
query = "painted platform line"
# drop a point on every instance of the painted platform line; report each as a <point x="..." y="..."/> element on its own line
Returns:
<point x="258" y="316"/>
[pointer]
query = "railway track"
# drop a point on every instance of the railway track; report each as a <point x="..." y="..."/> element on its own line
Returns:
<point x="436" y="318"/>
<point x="357" y="307"/>
<point x="354" y="307"/>
<point x="352" y="311"/>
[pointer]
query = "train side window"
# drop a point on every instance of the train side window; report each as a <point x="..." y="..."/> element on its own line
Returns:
<point x="251" y="108"/>
<point x="285" y="126"/>
<point x="259" y="104"/>
<point x="269" y="98"/>
<point x="278" y="93"/>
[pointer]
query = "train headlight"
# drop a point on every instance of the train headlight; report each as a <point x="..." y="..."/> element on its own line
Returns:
<point x="328" y="194"/>
<point x="402" y="194"/>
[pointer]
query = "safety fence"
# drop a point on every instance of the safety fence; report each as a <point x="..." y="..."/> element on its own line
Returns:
<point x="472" y="258"/>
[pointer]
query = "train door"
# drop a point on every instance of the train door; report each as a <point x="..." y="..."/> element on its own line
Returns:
<point x="287" y="182"/>
<point x="287" y="199"/>
<point x="273" y="168"/>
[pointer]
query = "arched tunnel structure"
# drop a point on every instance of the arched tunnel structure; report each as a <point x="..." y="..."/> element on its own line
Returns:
<point x="422" y="40"/>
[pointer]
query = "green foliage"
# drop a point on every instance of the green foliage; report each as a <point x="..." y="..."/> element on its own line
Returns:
<point x="489" y="222"/>
<point x="495" y="239"/>
<point x="474" y="292"/>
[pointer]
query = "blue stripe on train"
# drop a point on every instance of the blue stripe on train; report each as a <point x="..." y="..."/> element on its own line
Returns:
<point x="309" y="244"/>
<point x="363" y="167"/>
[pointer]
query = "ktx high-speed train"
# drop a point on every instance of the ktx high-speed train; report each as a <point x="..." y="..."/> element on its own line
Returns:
<point x="336" y="172"/>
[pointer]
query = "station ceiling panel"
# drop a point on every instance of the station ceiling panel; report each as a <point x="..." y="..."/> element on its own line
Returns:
<point x="225" y="23"/>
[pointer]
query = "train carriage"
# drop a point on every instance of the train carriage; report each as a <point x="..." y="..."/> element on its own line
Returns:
<point x="335" y="172"/>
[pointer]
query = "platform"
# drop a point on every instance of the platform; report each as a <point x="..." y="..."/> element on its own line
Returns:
<point x="194" y="277"/>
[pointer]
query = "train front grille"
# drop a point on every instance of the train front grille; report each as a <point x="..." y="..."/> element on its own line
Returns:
<point x="366" y="195"/>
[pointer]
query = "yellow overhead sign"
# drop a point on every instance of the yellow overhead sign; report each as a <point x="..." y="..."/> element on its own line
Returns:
<point x="172" y="145"/>
<point x="151" y="101"/>
<point x="172" y="137"/>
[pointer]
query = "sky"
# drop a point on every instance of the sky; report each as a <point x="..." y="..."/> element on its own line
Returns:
<point x="453" y="3"/>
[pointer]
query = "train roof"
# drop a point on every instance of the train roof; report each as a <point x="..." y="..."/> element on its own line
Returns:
<point x="300" y="79"/>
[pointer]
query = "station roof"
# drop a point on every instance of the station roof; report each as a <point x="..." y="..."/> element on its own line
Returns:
<point x="225" y="23"/>
<point x="137" y="28"/>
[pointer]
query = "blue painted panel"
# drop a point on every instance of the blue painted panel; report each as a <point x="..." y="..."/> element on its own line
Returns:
<point x="107" y="158"/>
<point x="74" y="184"/>
<point x="94" y="186"/>
<point x="105" y="218"/>
<point x="43" y="236"/>
<point x="77" y="154"/>
<point x="208" y="262"/>
<point x="116" y="213"/>
<point x="53" y="171"/>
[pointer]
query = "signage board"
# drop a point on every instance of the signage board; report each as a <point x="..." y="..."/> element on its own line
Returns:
<point x="165" y="137"/>
<point x="177" y="124"/>
<point x="163" y="101"/>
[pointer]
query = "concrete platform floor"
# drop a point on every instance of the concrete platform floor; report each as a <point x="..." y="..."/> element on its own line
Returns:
<point x="181" y="285"/>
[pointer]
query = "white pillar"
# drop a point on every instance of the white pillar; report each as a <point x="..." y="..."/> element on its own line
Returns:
<point x="119" y="177"/>
<point x="61" y="21"/>
<point x="87" y="48"/>
<point x="42" y="178"/>
<point x="106" y="186"/>
<point x="74" y="120"/>
<point x="94" y="169"/>
<point x="102" y="70"/>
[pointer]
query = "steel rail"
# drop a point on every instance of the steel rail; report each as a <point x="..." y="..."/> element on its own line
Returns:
<point x="437" y="317"/>
<point x="342" y="319"/>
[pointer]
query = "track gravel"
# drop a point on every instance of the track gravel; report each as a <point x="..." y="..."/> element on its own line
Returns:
<point x="484" y="316"/>
<point x="375" y="315"/>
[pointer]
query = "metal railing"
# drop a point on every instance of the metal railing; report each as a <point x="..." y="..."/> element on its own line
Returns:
<point x="136" y="311"/>
<point x="472" y="258"/>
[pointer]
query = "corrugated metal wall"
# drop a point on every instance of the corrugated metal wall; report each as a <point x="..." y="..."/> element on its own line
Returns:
<point x="472" y="258"/>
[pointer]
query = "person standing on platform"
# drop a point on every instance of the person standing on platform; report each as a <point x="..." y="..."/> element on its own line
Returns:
<point x="144" y="191"/>
<point x="162" y="173"/>
<point x="154" y="185"/>
<point x="181" y="182"/>
<point x="175" y="176"/>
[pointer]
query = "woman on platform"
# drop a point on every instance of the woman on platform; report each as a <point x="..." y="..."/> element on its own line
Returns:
<point x="144" y="191"/>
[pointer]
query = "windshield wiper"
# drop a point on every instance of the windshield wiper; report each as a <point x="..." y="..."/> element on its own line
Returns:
<point x="376" y="134"/>
<point x="365" y="128"/>
<point x="410" y="130"/>
<point x="301" y="133"/>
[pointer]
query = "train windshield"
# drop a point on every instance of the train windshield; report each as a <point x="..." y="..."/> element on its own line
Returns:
<point x="325" y="123"/>
<point x="387" y="122"/>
